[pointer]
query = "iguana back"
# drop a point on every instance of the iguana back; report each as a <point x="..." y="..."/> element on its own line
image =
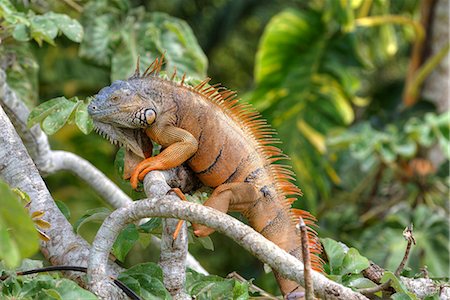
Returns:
<point x="234" y="153"/>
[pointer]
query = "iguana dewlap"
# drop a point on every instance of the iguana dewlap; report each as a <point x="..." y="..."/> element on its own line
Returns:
<point x="226" y="143"/>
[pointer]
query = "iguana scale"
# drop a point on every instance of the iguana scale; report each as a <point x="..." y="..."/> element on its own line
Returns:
<point x="225" y="142"/>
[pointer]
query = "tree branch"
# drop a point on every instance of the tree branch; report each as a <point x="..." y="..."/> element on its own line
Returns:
<point x="173" y="252"/>
<point x="168" y="206"/>
<point x="62" y="160"/>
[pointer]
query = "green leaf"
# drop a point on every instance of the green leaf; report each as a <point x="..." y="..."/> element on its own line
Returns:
<point x="354" y="262"/>
<point x="52" y="293"/>
<point x="335" y="253"/>
<point x="403" y="296"/>
<point x="18" y="234"/>
<point x="83" y="119"/>
<point x="21" y="33"/>
<point x="58" y="118"/>
<point x="70" y="27"/>
<point x="6" y="8"/>
<point x="145" y="279"/>
<point x="43" y="29"/>
<point x="131" y="283"/>
<point x="9" y="252"/>
<point x="125" y="241"/>
<point x="96" y="214"/>
<point x="240" y="290"/>
<point x="68" y="289"/>
<point x="407" y="149"/>
<point x="43" y="286"/>
<point x="206" y="242"/>
<point x="361" y="283"/>
<point x="42" y="111"/>
<point x="63" y="208"/>
<point x="395" y="281"/>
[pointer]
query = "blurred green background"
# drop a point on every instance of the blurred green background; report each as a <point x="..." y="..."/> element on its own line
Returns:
<point x="329" y="75"/>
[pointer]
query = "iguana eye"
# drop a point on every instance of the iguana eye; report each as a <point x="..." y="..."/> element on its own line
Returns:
<point x="150" y="116"/>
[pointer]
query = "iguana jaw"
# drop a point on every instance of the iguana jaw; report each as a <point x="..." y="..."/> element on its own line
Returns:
<point x="130" y="138"/>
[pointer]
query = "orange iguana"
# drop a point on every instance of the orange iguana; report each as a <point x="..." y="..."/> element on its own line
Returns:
<point x="226" y="144"/>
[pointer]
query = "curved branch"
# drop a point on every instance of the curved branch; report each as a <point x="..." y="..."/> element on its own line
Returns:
<point x="169" y="207"/>
<point x="62" y="160"/>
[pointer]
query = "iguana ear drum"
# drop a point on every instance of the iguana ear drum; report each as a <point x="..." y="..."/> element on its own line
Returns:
<point x="150" y="116"/>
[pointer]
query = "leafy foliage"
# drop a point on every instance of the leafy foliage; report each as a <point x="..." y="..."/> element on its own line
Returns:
<point x="41" y="286"/>
<point x="395" y="142"/>
<point x="116" y="34"/>
<point x="46" y="27"/>
<point x="345" y="265"/>
<point x="55" y="113"/>
<point x="308" y="76"/>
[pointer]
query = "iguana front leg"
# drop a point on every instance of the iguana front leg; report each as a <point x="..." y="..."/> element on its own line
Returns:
<point x="179" y="146"/>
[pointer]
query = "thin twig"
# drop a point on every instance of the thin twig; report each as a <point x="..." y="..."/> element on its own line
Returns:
<point x="74" y="5"/>
<point x="408" y="235"/>
<point x="309" y="287"/>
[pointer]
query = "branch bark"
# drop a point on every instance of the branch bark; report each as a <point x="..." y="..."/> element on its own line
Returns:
<point x="169" y="207"/>
<point x="173" y="252"/>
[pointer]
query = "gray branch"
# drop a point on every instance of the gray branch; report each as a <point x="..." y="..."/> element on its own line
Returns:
<point x="170" y="207"/>
<point x="62" y="160"/>
<point x="173" y="252"/>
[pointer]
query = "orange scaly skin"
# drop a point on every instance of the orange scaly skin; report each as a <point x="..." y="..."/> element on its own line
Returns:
<point x="228" y="146"/>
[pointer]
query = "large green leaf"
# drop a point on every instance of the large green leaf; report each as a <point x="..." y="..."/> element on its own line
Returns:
<point x="354" y="262"/>
<point x="146" y="280"/>
<point x="82" y="118"/>
<point x="70" y="27"/>
<point x="306" y="81"/>
<point x="335" y="254"/>
<point x="125" y="241"/>
<point x="18" y="236"/>
<point x="43" y="29"/>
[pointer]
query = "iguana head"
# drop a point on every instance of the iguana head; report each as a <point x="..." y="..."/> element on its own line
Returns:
<point x="120" y="113"/>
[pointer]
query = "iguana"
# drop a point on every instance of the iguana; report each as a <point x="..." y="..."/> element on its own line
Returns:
<point x="226" y="143"/>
